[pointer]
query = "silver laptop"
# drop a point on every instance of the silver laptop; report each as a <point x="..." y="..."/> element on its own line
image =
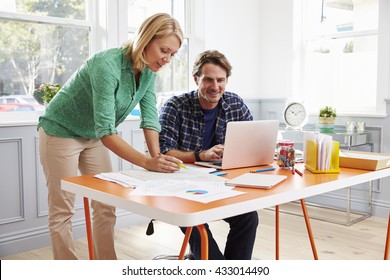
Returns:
<point x="247" y="143"/>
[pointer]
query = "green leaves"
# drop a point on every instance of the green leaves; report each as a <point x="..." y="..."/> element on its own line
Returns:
<point x="46" y="92"/>
<point x="327" y="112"/>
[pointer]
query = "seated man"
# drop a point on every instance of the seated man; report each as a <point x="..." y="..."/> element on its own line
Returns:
<point x="193" y="127"/>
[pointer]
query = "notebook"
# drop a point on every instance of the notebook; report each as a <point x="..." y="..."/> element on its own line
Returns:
<point x="247" y="143"/>
<point x="255" y="180"/>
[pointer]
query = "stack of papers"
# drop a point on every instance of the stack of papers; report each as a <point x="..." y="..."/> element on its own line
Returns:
<point x="188" y="183"/>
<point x="120" y="179"/>
<point x="324" y="148"/>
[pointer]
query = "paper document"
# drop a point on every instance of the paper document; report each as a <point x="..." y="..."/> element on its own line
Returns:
<point x="201" y="168"/>
<point x="308" y="136"/>
<point x="119" y="178"/>
<point x="324" y="149"/>
<point x="193" y="190"/>
<point x="183" y="174"/>
<point x="189" y="184"/>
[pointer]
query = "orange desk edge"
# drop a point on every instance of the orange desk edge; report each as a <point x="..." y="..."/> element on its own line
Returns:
<point x="187" y="213"/>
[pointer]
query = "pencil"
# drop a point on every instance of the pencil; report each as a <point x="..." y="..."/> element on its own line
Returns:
<point x="262" y="170"/>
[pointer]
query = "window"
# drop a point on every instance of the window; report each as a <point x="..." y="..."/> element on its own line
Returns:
<point x="42" y="41"/>
<point x="340" y="56"/>
<point x="173" y="79"/>
<point x="45" y="41"/>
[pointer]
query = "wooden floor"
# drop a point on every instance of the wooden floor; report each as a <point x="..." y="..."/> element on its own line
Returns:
<point x="362" y="241"/>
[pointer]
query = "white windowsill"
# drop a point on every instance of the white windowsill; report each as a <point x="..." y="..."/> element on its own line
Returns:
<point x="19" y="118"/>
<point x="30" y="118"/>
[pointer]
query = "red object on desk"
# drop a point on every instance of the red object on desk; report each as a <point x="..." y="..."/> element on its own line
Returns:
<point x="299" y="172"/>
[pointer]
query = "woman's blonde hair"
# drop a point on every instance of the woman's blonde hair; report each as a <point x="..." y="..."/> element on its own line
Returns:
<point x="154" y="27"/>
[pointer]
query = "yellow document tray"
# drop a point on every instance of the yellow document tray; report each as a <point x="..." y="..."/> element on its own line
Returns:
<point x="311" y="158"/>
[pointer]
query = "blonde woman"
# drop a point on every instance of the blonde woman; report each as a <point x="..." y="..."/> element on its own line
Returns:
<point x="79" y="127"/>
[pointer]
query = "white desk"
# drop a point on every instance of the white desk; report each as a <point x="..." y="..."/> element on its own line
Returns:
<point x="181" y="212"/>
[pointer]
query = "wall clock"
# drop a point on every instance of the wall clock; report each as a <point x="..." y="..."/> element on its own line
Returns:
<point x="295" y="115"/>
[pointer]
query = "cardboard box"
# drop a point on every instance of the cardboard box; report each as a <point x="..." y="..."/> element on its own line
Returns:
<point x="364" y="160"/>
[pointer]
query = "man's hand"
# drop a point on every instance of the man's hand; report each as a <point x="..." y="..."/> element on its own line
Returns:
<point x="213" y="153"/>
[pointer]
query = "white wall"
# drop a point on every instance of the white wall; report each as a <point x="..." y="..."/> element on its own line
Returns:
<point x="256" y="37"/>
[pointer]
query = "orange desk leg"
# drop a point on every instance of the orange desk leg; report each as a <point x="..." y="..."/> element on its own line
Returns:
<point x="185" y="243"/>
<point x="204" y="252"/>
<point x="387" y="245"/>
<point x="313" y="245"/>
<point x="89" y="229"/>
<point x="277" y="232"/>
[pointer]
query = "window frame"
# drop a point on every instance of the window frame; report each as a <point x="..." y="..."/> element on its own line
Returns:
<point x="383" y="58"/>
<point x="87" y="24"/>
<point x="186" y="37"/>
<point x="106" y="21"/>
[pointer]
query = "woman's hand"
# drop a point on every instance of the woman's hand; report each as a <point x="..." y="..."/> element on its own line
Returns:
<point x="159" y="163"/>
<point x="163" y="163"/>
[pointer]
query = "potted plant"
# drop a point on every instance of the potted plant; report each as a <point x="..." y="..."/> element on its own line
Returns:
<point x="45" y="92"/>
<point x="326" y="119"/>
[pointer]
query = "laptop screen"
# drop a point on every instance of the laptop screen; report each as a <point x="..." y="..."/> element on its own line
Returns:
<point x="249" y="143"/>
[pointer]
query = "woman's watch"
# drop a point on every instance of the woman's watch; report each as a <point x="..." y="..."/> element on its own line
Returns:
<point x="197" y="156"/>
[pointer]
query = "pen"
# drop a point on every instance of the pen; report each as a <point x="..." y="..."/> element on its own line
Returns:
<point x="181" y="165"/>
<point x="299" y="172"/>
<point x="264" y="169"/>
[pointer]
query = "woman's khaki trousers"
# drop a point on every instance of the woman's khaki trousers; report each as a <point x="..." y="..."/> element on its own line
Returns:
<point x="64" y="157"/>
